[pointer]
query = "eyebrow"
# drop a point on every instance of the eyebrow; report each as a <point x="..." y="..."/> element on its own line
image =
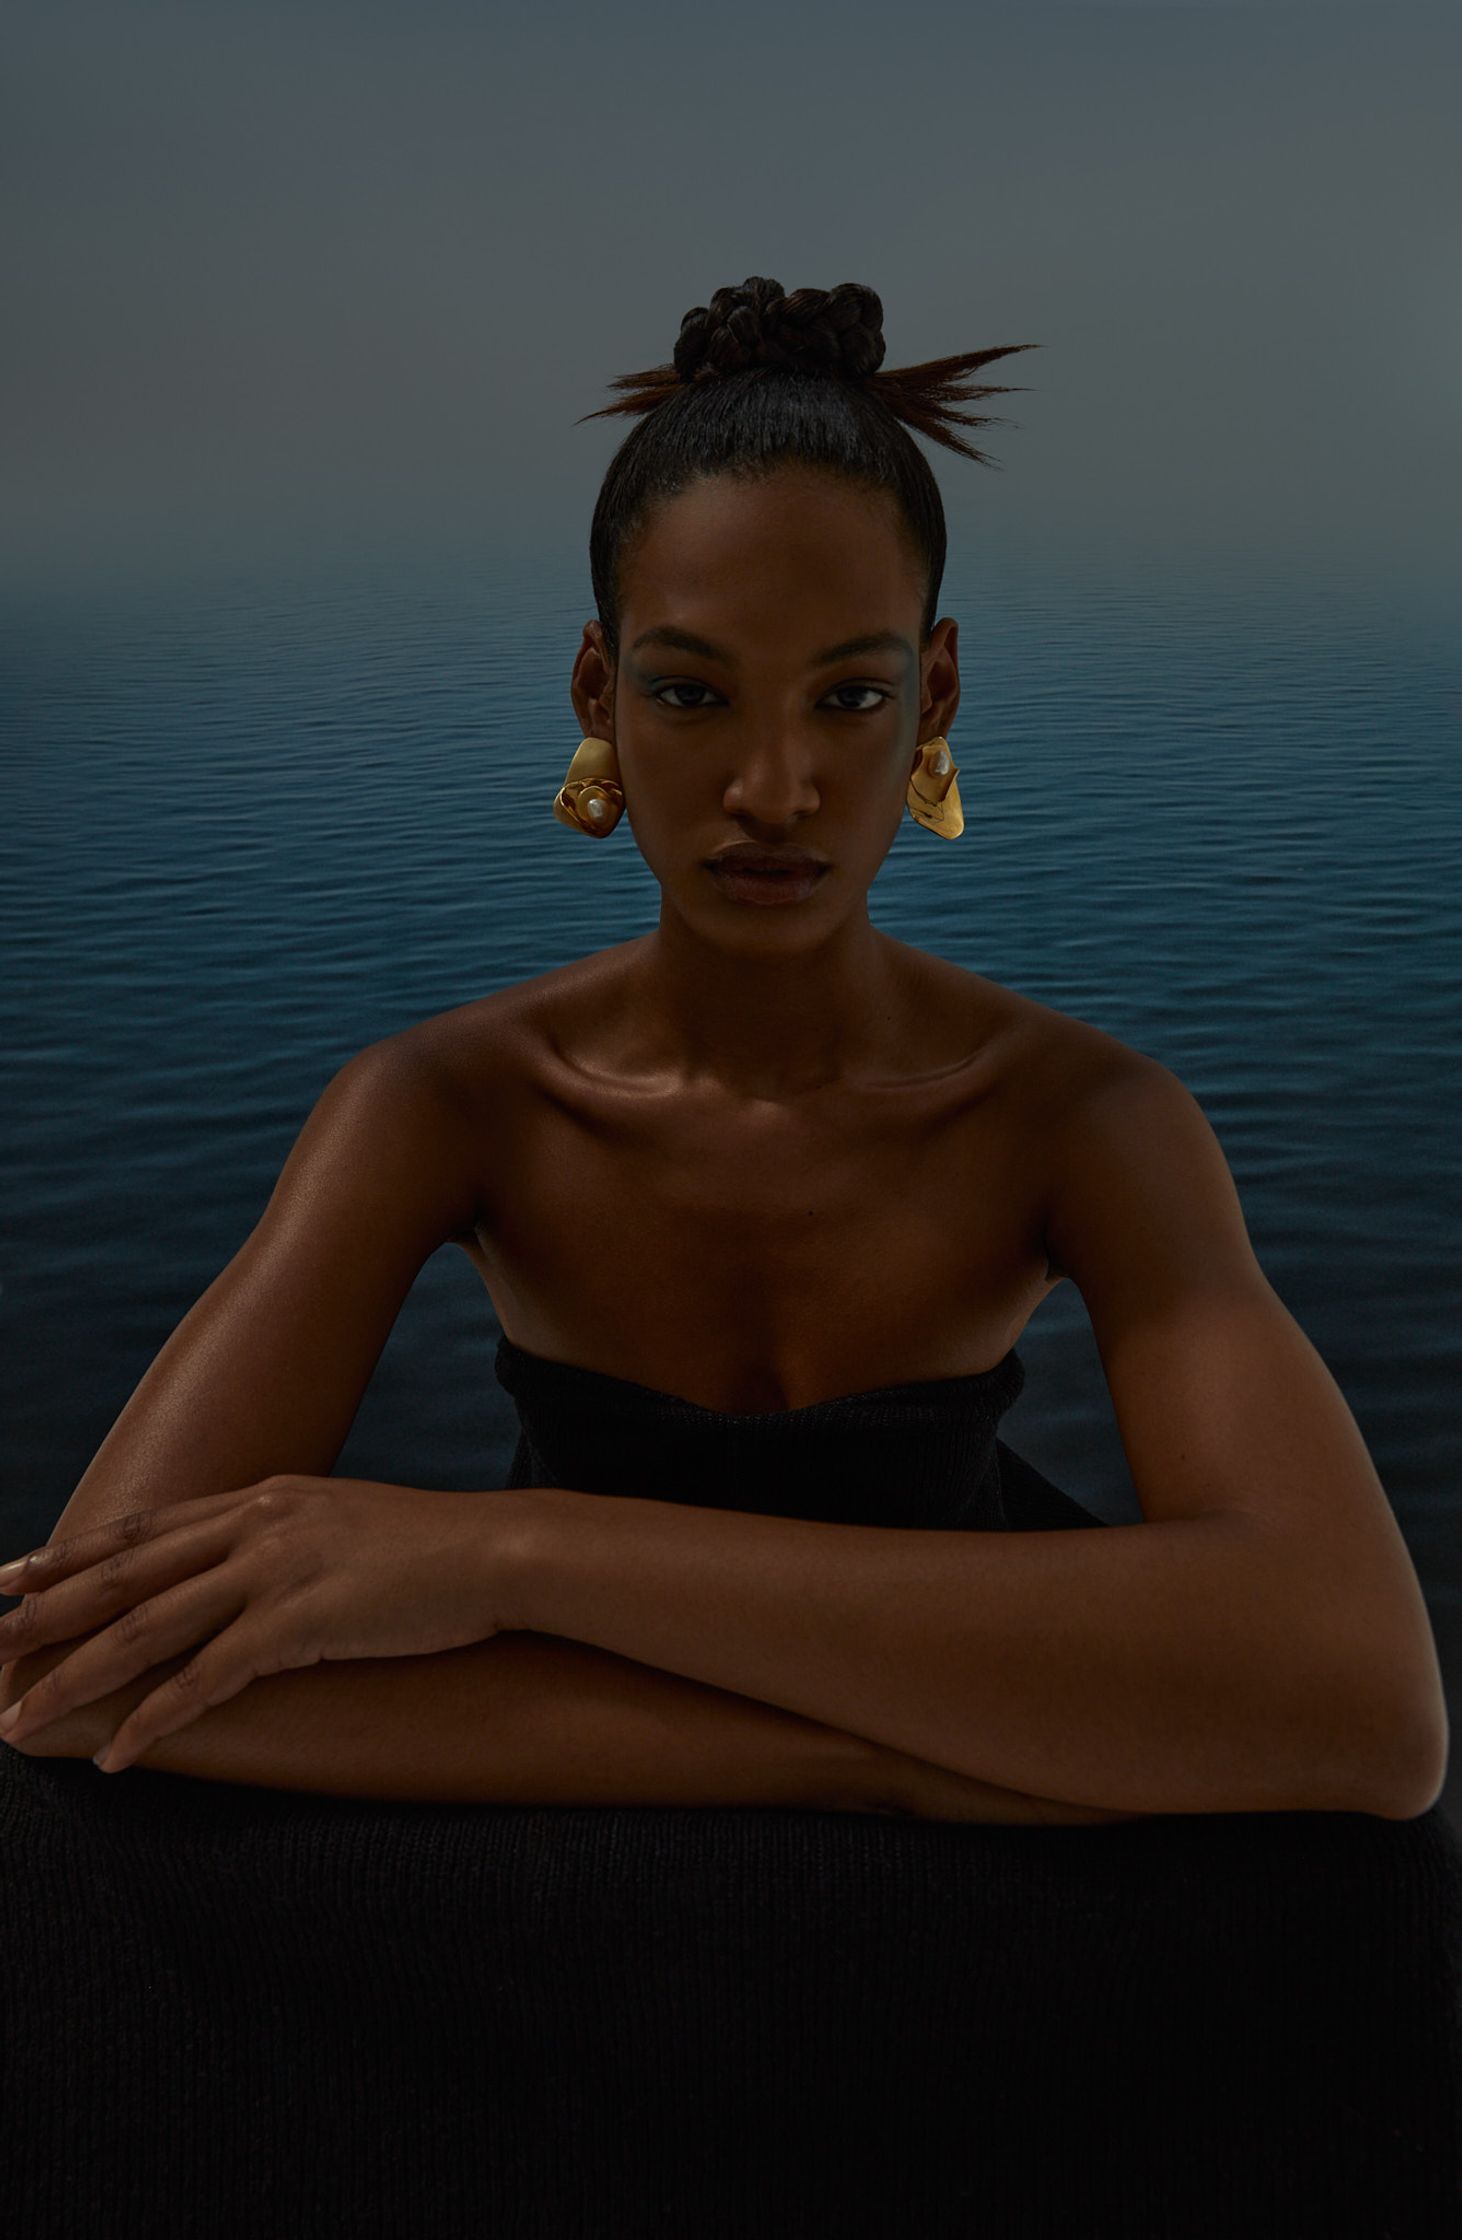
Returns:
<point x="686" y="641"/>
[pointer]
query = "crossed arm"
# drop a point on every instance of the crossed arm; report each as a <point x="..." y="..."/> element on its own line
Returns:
<point x="1259" y="1643"/>
<point x="526" y="1718"/>
<point x="671" y="1654"/>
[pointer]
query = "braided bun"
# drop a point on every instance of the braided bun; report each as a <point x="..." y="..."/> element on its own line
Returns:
<point x="814" y="330"/>
<point x="836" y="333"/>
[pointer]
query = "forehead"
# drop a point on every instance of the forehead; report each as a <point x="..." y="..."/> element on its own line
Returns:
<point x="793" y="544"/>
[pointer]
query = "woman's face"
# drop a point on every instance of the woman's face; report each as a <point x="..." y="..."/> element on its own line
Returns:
<point x="764" y="730"/>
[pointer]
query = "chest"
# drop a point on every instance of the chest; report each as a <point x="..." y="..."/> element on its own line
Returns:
<point x="764" y="1258"/>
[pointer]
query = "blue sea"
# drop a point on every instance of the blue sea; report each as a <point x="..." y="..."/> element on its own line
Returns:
<point x="262" y="815"/>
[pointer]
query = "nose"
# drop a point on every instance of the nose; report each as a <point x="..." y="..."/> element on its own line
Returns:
<point x="774" y="783"/>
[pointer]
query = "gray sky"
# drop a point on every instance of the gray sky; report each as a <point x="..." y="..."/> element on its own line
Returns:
<point x="307" y="271"/>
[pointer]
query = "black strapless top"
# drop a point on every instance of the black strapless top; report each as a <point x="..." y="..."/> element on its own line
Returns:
<point x="923" y="1454"/>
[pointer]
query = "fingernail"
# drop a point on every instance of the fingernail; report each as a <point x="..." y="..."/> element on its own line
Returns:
<point x="8" y="1718"/>
<point x="8" y="1570"/>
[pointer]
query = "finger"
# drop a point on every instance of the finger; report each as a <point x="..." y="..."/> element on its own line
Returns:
<point x="117" y="1578"/>
<point x="142" y="1637"/>
<point x="40" y="1568"/>
<point x="220" y="1671"/>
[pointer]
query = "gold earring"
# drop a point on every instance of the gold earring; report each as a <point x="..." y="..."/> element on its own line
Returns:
<point x="591" y="798"/>
<point x="933" y="796"/>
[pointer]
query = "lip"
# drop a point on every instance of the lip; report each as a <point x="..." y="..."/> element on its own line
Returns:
<point x="746" y="855"/>
<point x="740" y="881"/>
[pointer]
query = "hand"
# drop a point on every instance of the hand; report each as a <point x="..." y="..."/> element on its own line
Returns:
<point x="290" y="1572"/>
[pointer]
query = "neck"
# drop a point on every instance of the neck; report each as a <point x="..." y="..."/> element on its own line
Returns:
<point x="775" y="1025"/>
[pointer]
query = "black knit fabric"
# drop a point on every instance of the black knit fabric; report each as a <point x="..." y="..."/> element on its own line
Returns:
<point x="234" y="2011"/>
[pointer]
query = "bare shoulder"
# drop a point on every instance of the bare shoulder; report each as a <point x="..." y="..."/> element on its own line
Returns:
<point x="499" y="1043"/>
<point x="1083" y="1061"/>
<point x="1062" y="1082"/>
<point x="1051" y="1061"/>
<point x="1124" y="1136"/>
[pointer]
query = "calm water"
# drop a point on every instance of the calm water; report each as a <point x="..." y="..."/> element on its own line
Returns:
<point x="258" y="821"/>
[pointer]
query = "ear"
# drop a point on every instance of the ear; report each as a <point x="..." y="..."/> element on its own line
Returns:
<point x="592" y="684"/>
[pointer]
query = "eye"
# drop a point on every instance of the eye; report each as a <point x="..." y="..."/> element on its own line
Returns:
<point x="879" y="697"/>
<point x="687" y="684"/>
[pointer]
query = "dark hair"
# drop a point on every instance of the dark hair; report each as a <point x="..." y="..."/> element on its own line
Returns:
<point x="760" y="376"/>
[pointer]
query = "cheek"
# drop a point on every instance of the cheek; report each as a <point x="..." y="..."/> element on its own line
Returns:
<point x="675" y="806"/>
<point x="665" y="833"/>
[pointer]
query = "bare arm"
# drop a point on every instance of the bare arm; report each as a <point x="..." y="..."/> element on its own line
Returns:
<point x="264" y="1374"/>
<point x="1258" y="1643"/>
<point x="526" y="1718"/>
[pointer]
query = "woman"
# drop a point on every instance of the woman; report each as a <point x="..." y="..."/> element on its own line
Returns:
<point x="764" y="1157"/>
<point x="763" y="1200"/>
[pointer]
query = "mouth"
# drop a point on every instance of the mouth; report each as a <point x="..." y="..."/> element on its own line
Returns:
<point x="747" y="879"/>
